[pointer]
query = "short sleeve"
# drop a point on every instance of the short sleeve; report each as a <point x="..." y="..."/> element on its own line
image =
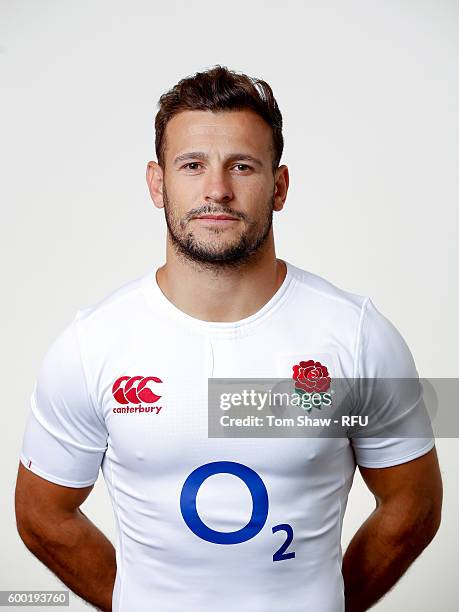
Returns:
<point x="65" y="437"/>
<point x="389" y="392"/>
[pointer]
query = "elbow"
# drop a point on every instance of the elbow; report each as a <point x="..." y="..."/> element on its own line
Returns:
<point x="27" y="525"/>
<point x="410" y="523"/>
<point x="423" y="533"/>
<point x="432" y="522"/>
<point x="25" y="529"/>
<point x="418" y="525"/>
<point x="428" y="516"/>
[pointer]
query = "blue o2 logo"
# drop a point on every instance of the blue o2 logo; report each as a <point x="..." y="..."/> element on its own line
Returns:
<point x="257" y="490"/>
<point x="260" y="506"/>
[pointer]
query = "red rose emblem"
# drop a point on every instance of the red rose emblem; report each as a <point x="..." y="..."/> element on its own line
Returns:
<point x="311" y="376"/>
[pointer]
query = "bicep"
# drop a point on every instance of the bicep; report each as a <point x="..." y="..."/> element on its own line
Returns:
<point x="413" y="488"/>
<point x="39" y="502"/>
<point x="32" y="489"/>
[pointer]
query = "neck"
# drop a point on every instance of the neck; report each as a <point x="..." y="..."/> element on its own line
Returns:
<point x="225" y="294"/>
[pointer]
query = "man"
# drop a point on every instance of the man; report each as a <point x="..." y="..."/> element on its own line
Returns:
<point x="124" y="387"/>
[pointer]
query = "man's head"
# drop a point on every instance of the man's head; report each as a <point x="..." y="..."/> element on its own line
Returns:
<point x="218" y="143"/>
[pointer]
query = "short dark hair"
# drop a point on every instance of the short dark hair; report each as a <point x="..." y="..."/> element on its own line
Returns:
<point x="220" y="89"/>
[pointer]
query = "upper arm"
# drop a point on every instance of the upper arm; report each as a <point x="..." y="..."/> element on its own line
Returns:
<point x="390" y="396"/>
<point x="39" y="501"/>
<point x="412" y="489"/>
<point x="65" y="438"/>
<point x="64" y="441"/>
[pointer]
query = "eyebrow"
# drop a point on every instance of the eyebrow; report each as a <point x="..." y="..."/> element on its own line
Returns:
<point x="229" y="158"/>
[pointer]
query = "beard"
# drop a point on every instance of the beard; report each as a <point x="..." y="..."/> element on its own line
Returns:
<point x="218" y="253"/>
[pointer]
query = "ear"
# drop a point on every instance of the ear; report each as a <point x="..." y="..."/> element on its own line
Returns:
<point x="281" y="183"/>
<point x="155" y="183"/>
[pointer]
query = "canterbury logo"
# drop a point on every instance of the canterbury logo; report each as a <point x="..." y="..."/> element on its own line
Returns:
<point x="134" y="390"/>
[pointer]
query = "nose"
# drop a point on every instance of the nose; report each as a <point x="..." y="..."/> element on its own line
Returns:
<point x="217" y="187"/>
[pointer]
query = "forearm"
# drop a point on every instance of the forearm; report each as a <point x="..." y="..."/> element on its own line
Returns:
<point x="380" y="553"/>
<point x="74" y="549"/>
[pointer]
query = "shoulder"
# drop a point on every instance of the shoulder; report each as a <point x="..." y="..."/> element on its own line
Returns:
<point x="121" y="314"/>
<point x="120" y="299"/>
<point x="319" y="289"/>
<point x="379" y="347"/>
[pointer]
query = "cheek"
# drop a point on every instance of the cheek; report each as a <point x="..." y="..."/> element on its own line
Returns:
<point x="253" y="193"/>
<point x="183" y="195"/>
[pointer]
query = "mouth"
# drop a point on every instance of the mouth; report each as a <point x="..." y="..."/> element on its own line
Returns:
<point x="217" y="217"/>
<point x="214" y="220"/>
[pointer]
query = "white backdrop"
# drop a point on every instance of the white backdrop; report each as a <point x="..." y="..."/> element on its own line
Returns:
<point x="369" y="95"/>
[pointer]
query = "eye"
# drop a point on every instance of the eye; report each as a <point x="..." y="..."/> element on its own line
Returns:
<point x="192" y="165"/>
<point x="242" y="167"/>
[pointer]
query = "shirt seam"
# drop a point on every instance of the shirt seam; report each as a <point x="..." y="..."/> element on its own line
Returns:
<point x="116" y="508"/>
<point x="396" y="460"/>
<point x="85" y="376"/>
<point x="56" y="434"/>
<point x="358" y="346"/>
<point x="341" y="299"/>
<point x="52" y="478"/>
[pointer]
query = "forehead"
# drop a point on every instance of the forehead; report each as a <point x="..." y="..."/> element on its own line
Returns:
<point x="228" y="129"/>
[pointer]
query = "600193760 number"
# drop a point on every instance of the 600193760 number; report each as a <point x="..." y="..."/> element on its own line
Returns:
<point x="34" y="598"/>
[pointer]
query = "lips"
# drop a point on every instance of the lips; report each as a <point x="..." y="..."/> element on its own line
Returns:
<point x="217" y="217"/>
